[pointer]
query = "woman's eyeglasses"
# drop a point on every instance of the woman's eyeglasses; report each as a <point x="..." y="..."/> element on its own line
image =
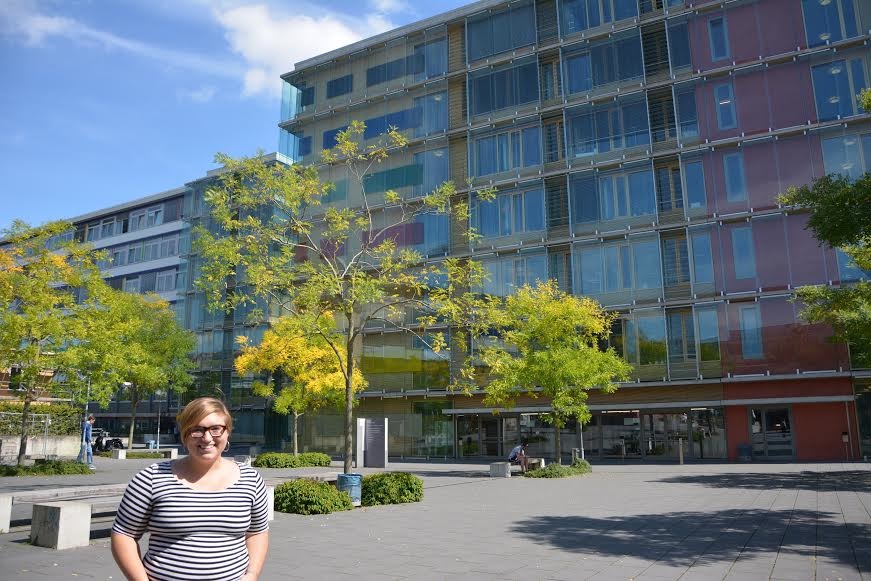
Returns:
<point x="214" y="431"/>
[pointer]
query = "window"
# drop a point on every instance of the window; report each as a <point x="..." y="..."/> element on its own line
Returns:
<point x="154" y="216"/>
<point x="848" y="270"/>
<point x="329" y="138"/>
<point x="709" y="334"/>
<point x="724" y="101"/>
<point x="679" y="46"/>
<point x="433" y="114"/>
<point x="165" y="281"/>
<point x="703" y="259"/>
<point x="340" y="86"/>
<point x="304" y="146"/>
<point x="151" y="249"/>
<point x="618" y="267"/>
<point x="409" y="65"/>
<point x="435" y="170"/>
<point x="719" y="37"/>
<point x="580" y="15"/>
<point x="506" y="275"/>
<point x="605" y="63"/>
<point x="681" y="337"/>
<point x="489" y="34"/>
<point x="506" y="151"/>
<point x="733" y="168"/>
<point x="842" y="155"/>
<point x="743" y="253"/>
<point x="675" y="261"/>
<point x="169" y="246"/>
<point x="497" y="89"/>
<point x="645" y="339"/>
<point x="626" y="194"/>
<point x="510" y="213"/>
<point x="131" y="284"/>
<point x="435" y="58"/>
<point x="836" y="85"/>
<point x="93" y="232"/>
<point x="119" y="256"/>
<point x="687" y="115"/>
<point x="393" y="179"/>
<point x="306" y="97"/>
<point x="829" y="21"/>
<point x="107" y="228"/>
<point x="751" y="331"/>
<point x="134" y="253"/>
<point x="609" y="127"/>
<point x="668" y="187"/>
<point x="694" y="186"/>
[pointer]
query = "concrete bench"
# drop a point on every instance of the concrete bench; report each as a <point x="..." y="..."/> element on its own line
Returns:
<point x="67" y="524"/>
<point x="535" y="463"/>
<point x="52" y="495"/>
<point x="171" y="453"/>
<point x="500" y="470"/>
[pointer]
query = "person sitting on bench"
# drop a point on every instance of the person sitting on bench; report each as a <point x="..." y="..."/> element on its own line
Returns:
<point x="518" y="456"/>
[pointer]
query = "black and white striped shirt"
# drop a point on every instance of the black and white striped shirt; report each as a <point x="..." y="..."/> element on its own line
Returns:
<point x="195" y="534"/>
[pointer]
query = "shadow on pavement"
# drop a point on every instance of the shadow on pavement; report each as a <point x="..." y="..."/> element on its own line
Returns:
<point x="848" y="481"/>
<point x="681" y="538"/>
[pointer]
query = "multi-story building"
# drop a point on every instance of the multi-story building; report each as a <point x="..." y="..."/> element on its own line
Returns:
<point x="637" y="147"/>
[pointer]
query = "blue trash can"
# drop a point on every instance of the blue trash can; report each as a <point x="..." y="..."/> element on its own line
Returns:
<point x="745" y="453"/>
<point x="353" y="485"/>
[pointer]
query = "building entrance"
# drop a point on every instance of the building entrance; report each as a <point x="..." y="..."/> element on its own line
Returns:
<point x="771" y="433"/>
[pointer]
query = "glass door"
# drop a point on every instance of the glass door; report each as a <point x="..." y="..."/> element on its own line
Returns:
<point x="663" y="433"/>
<point x="490" y="436"/>
<point x="621" y="433"/>
<point x="771" y="432"/>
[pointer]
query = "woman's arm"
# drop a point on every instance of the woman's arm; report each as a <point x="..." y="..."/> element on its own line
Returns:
<point x="126" y="552"/>
<point x="258" y="544"/>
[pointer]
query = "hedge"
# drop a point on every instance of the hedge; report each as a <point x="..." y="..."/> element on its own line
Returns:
<point x="391" y="488"/>
<point x="577" y="468"/>
<point x="285" y="460"/>
<point x="46" y="468"/>
<point x="305" y="496"/>
<point x="66" y="420"/>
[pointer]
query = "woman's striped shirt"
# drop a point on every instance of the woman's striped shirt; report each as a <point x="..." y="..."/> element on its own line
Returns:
<point x="195" y="534"/>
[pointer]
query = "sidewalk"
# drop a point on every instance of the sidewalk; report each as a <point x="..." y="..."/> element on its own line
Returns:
<point x="697" y="521"/>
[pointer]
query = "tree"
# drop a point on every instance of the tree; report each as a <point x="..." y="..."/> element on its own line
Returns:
<point x="840" y="217"/>
<point x="278" y="241"/>
<point x="548" y="344"/>
<point x="49" y="313"/>
<point x="303" y="371"/>
<point x="153" y="350"/>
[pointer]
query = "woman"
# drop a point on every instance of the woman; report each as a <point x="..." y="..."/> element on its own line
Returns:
<point x="207" y="516"/>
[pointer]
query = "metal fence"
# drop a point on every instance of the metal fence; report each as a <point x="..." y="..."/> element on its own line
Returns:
<point x="10" y="430"/>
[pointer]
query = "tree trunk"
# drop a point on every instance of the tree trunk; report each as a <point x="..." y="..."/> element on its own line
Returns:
<point x="557" y="444"/>
<point x="349" y="399"/>
<point x="134" y="402"/>
<point x="295" y="432"/>
<point x="22" y="446"/>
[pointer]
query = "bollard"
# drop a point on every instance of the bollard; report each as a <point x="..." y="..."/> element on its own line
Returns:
<point x="623" y="449"/>
<point x="680" y="449"/>
<point x="575" y="455"/>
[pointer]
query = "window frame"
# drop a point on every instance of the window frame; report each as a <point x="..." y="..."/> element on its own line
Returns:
<point x="725" y="105"/>
<point x="751" y="347"/>
<point x="727" y="52"/>
<point x="735" y="192"/>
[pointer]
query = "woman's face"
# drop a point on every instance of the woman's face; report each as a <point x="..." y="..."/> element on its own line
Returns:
<point x="208" y="447"/>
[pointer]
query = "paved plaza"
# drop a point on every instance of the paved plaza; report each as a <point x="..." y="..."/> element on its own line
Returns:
<point x="641" y="521"/>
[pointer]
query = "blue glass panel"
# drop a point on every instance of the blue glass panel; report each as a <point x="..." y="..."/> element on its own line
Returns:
<point x="305" y="146"/>
<point x="743" y="253"/>
<point x="630" y="63"/>
<point x="642" y="194"/>
<point x="751" y="332"/>
<point x="501" y="26"/>
<point x="648" y="270"/>
<point x="523" y="25"/>
<point x="718" y="38"/>
<point x="531" y="146"/>
<point x="635" y="126"/>
<point x="329" y="138"/>
<point x="488" y="218"/>
<point x="482" y="94"/>
<point x="504" y="214"/>
<point x="591" y="271"/>
<point x="613" y="276"/>
<point x="694" y="175"/>
<point x="479" y="37"/>
<point x="340" y="86"/>
<point x="687" y="114"/>
<point x="725" y="103"/>
<point x="604" y="67"/>
<point x="580" y="74"/>
<point x="533" y="206"/>
<point x="583" y="140"/>
<point x="841" y="156"/>
<point x="527" y="81"/>
<point x="625" y="9"/>
<point x="703" y="260"/>
<point x="585" y="200"/>
<point x="679" y="46"/>
<point x="733" y="167"/>
<point x="502" y="153"/>
<point x="485" y="156"/>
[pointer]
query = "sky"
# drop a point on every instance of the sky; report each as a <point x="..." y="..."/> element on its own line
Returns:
<point x="106" y="101"/>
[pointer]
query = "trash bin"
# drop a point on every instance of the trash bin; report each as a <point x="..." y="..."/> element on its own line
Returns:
<point x="353" y="485"/>
<point x="745" y="453"/>
<point x="152" y="445"/>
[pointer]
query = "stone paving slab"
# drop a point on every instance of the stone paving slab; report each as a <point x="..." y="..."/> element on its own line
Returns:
<point x="656" y="522"/>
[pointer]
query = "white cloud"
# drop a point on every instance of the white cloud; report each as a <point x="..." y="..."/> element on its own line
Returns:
<point x="271" y="43"/>
<point x="389" y="6"/>
<point x="201" y="95"/>
<point x="22" y="19"/>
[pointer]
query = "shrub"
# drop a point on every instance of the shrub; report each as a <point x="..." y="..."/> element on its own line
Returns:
<point x="558" y="471"/>
<point x="310" y="497"/>
<point x="285" y="460"/>
<point x="47" y="468"/>
<point x="391" y="488"/>
<point x="66" y="420"/>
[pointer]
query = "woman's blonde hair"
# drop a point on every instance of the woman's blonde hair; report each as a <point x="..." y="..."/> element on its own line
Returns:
<point x="197" y="409"/>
